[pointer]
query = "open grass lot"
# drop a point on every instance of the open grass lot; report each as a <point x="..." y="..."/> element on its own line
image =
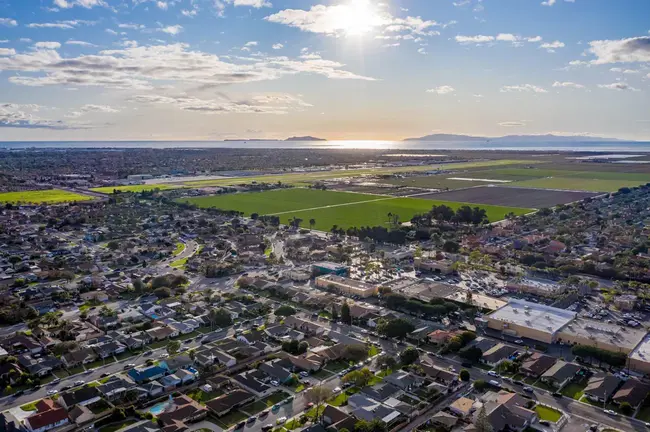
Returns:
<point x="575" y="184"/>
<point x="546" y="413"/>
<point x="573" y="171"/>
<point x="435" y="182"/>
<point x="512" y="197"/>
<point x="50" y="196"/>
<point x="293" y="178"/>
<point x="574" y="390"/>
<point x="132" y="188"/>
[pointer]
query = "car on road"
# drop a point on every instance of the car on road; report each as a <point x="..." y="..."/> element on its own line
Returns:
<point x="337" y="389"/>
<point x="281" y="420"/>
<point x="275" y="383"/>
<point x="147" y="353"/>
<point x="544" y="422"/>
<point x="240" y="425"/>
<point x="304" y="374"/>
<point x="55" y="381"/>
<point x="105" y="374"/>
<point x="557" y="394"/>
<point x="251" y="419"/>
<point x="493" y="374"/>
<point x="18" y="393"/>
<point x="528" y="389"/>
<point x="518" y="382"/>
<point x="89" y="371"/>
<point x="64" y="388"/>
<point x="129" y="366"/>
<point x="264" y="413"/>
<point x="275" y="407"/>
<point x="52" y="392"/>
<point x="519" y="342"/>
<point x="163" y="355"/>
<point x="610" y="412"/>
<point x="267" y="427"/>
<point x="79" y="382"/>
<point x="494" y="383"/>
<point x="288" y="400"/>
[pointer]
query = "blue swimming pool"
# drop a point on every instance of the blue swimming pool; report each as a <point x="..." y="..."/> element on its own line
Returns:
<point x="159" y="408"/>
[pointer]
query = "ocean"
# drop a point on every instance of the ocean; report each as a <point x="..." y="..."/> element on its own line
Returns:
<point x="568" y="146"/>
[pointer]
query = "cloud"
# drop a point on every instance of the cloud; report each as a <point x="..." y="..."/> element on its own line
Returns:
<point x="534" y="39"/>
<point x="64" y="25"/>
<point x="343" y="19"/>
<point x="568" y="84"/>
<point x="111" y="31"/>
<point x="131" y="26"/>
<point x="618" y="86"/>
<point x="88" y="4"/>
<point x="251" y="3"/>
<point x="162" y="5"/>
<point x="8" y="22"/>
<point x="552" y="46"/>
<point x="92" y="108"/>
<point x="277" y="46"/>
<point x="251" y="43"/>
<point x="552" y="2"/>
<point x="523" y="88"/>
<point x="629" y="50"/>
<point x="22" y="116"/>
<point x="7" y="51"/>
<point x="4" y="40"/>
<point x="143" y="67"/>
<point x="190" y="13"/>
<point x="422" y="51"/>
<point x="273" y="103"/>
<point x="478" y="39"/>
<point x="172" y="29"/>
<point x="47" y="45"/>
<point x="80" y="43"/>
<point x="512" y="124"/>
<point x="442" y="90"/>
<point x="625" y="71"/>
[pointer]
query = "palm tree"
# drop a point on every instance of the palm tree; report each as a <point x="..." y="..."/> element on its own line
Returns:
<point x="312" y="222"/>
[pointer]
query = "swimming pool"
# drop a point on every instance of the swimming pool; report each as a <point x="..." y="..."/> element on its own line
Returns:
<point x="158" y="408"/>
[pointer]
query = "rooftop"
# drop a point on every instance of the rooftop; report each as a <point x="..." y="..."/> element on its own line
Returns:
<point x="624" y="337"/>
<point x="533" y="315"/>
<point x="642" y="351"/>
<point x="355" y="284"/>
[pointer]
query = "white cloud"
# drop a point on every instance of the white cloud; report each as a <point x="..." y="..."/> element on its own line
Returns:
<point x="80" y="43"/>
<point x="507" y="37"/>
<point x="478" y="39"/>
<point x="162" y="5"/>
<point x="523" y="88"/>
<point x="64" y="25"/>
<point x="251" y="3"/>
<point x="144" y="66"/>
<point x="568" y="84"/>
<point x="23" y="116"/>
<point x="7" y="51"/>
<point x="442" y="90"/>
<point x="534" y="39"/>
<point x="396" y="44"/>
<point x="618" y="86"/>
<point x="172" y="29"/>
<point x="131" y="26"/>
<point x="512" y="124"/>
<point x="8" y="22"/>
<point x="272" y="103"/>
<point x="629" y="50"/>
<point x="92" y="108"/>
<point x="4" y="40"/>
<point x="88" y="4"/>
<point x="626" y="71"/>
<point x="251" y="43"/>
<point x="552" y="46"/>
<point x="47" y="45"/>
<point x="111" y="31"/>
<point x="277" y="46"/>
<point x="548" y="2"/>
<point x="190" y="13"/>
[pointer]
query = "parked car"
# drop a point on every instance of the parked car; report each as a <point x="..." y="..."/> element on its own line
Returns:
<point x="267" y="427"/>
<point x="55" y="381"/>
<point x="79" y="382"/>
<point x="528" y="389"/>
<point x="281" y="420"/>
<point x="557" y="394"/>
<point x="64" y="388"/>
<point x="610" y="412"/>
<point x="147" y="353"/>
<point x="544" y="423"/>
<point x="251" y="419"/>
<point x="52" y="392"/>
<point x="493" y="374"/>
<point x="240" y="425"/>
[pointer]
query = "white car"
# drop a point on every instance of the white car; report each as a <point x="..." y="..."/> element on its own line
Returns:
<point x="52" y="392"/>
<point x="304" y="374"/>
<point x="164" y="355"/>
<point x="281" y="420"/>
<point x="610" y="412"/>
<point x="79" y="382"/>
<point x="493" y="374"/>
<point x="337" y="389"/>
<point x="519" y="342"/>
<point x="275" y="383"/>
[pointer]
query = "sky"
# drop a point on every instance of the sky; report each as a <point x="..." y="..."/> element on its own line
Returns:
<point x="336" y="69"/>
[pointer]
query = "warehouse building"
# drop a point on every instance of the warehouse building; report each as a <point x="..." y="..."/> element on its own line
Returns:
<point x="326" y="267"/>
<point x="529" y="320"/>
<point x="539" y="287"/>
<point x="346" y="286"/>
<point x="610" y="337"/>
<point x="640" y="357"/>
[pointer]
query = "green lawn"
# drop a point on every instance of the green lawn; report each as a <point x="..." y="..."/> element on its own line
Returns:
<point x="322" y="374"/>
<point x="442" y="182"/>
<point x="230" y="419"/>
<point x="337" y="366"/>
<point x="546" y="413"/>
<point x="574" y="390"/>
<point x="570" y="183"/>
<point x="180" y="247"/>
<point x="30" y="406"/>
<point x="100" y="363"/>
<point x="179" y="263"/>
<point x="72" y="371"/>
<point x="644" y="413"/>
<point x="373" y="351"/>
<point x="339" y="400"/>
<point x="132" y="188"/>
<point x="50" y="196"/>
<point x="262" y="404"/>
<point x="202" y="397"/>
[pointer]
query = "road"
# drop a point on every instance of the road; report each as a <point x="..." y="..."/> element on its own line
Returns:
<point x="191" y="247"/>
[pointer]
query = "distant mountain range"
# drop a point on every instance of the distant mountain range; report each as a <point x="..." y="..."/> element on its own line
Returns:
<point x="296" y="138"/>
<point x="510" y="138"/>
<point x="305" y="138"/>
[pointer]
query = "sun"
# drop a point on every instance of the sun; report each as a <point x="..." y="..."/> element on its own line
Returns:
<point x="359" y="17"/>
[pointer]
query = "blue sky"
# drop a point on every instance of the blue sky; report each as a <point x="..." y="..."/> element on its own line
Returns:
<point x="339" y="69"/>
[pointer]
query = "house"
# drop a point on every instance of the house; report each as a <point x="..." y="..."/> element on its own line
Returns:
<point x="255" y="381"/>
<point x="181" y="411"/>
<point x="105" y="322"/>
<point x="438" y="375"/>
<point x="161" y="333"/>
<point x="80" y="414"/>
<point x="277" y="370"/>
<point x="439" y="337"/>
<point x="20" y="344"/>
<point x="39" y="366"/>
<point x="79" y="357"/>
<point x="226" y="403"/>
<point x="404" y="380"/>
<point x="109" y="348"/>
<point x="147" y="373"/>
<point x="601" y="387"/>
<point x="116" y="387"/>
<point x="537" y="364"/>
<point x="443" y="420"/>
<point x="368" y="409"/>
<point x="633" y="392"/>
<point x="173" y="364"/>
<point x="462" y="407"/>
<point x="186" y="376"/>
<point x="81" y="396"/>
<point x="303" y="364"/>
<point x="507" y="411"/>
<point x="151" y="389"/>
<point x="380" y="391"/>
<point x="48" y="416"/>
<point x="497" y="354"/>
<point x="560" y="374"/>
<point x="334" y="418"/>
<point x="141" y="426"/>
<point x="170" y="382"/>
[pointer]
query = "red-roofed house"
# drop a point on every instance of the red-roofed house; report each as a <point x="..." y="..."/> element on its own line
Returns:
<point x="48" y="416"/>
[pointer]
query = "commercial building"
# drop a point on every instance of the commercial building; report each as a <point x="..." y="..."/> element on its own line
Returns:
<point x="610" y="337"/>
<point x="529" y="320"/>
<point x="346" y="286"/>
<point x="640" y="357"/>
<point x="326" y="268"/>
<point x="440" y="266"/>
<point x="539" y="287"/>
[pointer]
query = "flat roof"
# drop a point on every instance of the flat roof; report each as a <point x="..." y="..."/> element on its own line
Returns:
<point x="349" y="282"/>
<point x="642" y="351"/>
<point x="428" y="290"/>
<point x="533" y="315"/>
<point x="625" y="337"/>
<point x="538" y="283"/>
<point x="329" y="265"/>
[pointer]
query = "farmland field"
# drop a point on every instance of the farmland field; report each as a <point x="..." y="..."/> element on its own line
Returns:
<point x="50" y="196"/>
<point x="575" y="184"/>
<point x="132" y="188"/>
<point x="435" y="182"/>
<point x="511" y="196"/>
<point x="520" y="174"/>
<point x="335" y="208"/>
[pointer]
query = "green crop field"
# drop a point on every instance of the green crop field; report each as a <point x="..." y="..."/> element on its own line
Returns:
<point x="520" y="174"/>
<point x="50" y="196"/>
<point x="132" y="188"/>
<point x="293" y="178"/>
<point x="434" y="182"/>
<point x="578" y="184"/>
<point x="334" y="208"/>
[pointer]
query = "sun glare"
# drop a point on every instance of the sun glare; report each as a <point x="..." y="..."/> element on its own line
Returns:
<point x="360" y="17"/>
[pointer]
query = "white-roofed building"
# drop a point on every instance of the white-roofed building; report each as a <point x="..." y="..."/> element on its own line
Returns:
<point x="640" y="357"/>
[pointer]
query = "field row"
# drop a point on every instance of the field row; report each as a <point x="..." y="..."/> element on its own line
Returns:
<point x="50" y="196"/>
<point x="335" y="208"/>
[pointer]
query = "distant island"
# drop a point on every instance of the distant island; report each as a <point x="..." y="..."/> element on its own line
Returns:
<point x="510" y="138"/>
<point x="304" y="138"/>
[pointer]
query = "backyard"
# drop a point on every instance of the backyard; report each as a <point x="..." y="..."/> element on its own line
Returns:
<point x="548" y="413"/>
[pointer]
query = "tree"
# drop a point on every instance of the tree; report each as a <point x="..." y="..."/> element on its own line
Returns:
<point x="285" y="310"/>
<point x="318" y="395"/>
<point x="15" y="259"/>
<point x="346" y="318"/>
<point x="113" y="245"/>
<point x="335" y="313"/>
<point x="482" y="423"/>
<point x="355" y="352"/>
<point x="219" y="317"/>
<point x="295" y="347"/>
<point x="409" y="356"/>
<point x="451" y="247"/>
<point x="472" y="354"/>
<point x="162" y="292"/>
<point x="387" y="362"/>
<point x="480" y="385"/>
<point x="359" y="378"/>
<point x="173" y="347"/>
<point x="464" y="375"/>
<point x="312" y="222"/>
<point x="376" y="425"/>
<point x="397" y="328"/>
<point x="626" y="408"/>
